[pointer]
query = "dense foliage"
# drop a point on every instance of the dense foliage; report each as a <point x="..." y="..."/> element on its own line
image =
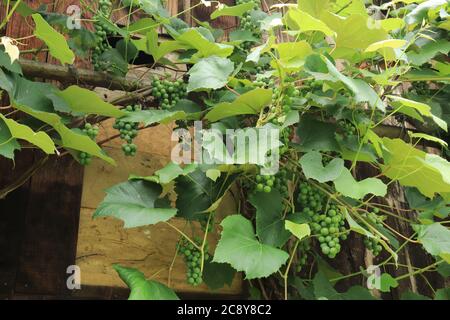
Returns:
<point x="335" y="77"/>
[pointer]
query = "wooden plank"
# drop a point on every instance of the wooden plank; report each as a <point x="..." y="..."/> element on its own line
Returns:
<point x="12" y="217"/>
<point x="51" y="228"/>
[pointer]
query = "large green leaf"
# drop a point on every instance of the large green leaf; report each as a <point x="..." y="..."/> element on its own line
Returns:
<point x="248" y="103"/>
<point x="435" y="238"/>
<point x="234" y="11"/>
<point x="415" y="168"/>
<point x="429" y="51"/>
<point x="196" y="193"/>
<point x="354" y="32"/>
<point x="210" y="73"/>
<point x="292" y="55"/>
<point x="316" y="135"/>
<point x="206" y="48"/>
<point x="300" y="20"/>
<point x="269" y="218"/>
<point x="20" y="131"/>
<point x="55" y="42"/>
<point x="143" y="289"/>
<point x="407" y="106"/>
<point x="313" y="167"/>
<point x="362" y="91"/>
<point x="348" y="186"/>
<point x="239" y="247"/>
<point x="88" y="102"/>
<point x="149" y="117"/>
<point x="136" y="202"/>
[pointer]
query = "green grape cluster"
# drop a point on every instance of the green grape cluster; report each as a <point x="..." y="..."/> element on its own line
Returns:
<point x="247" y="22"/>
<point x="302" y="249"/>
<point x="102" y="30"/>
<point x="283" y="98"/>
<point x="192" y="258"/>
<point x="330" y="227"/>
<point x="347" y="128"/>
<point x="373" y="244"/>
<point x="327" y="219"/>
<point x="167" y="92"/>
<point x="128" y="132"/>
<point x="265" y="183"/>
<point x="282" y="181"/>
<point x="91" y="131"/>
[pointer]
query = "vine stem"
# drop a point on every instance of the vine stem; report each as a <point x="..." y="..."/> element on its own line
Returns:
<point x="184" y="235"/>
<point x="10" y="13"/>
<point x="286" y="273"/>
<point x="202" y="250"/>
<point x="407" y="275"/>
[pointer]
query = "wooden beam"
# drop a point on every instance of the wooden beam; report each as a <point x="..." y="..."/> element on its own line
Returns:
<point x="75" y="75"/>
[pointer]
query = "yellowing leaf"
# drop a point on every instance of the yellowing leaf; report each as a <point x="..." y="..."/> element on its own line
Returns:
<point x="293" y="54"/>
<point x="11" y="50"/>
<point x="391" y="43"/>
<point x="415" y="168"/>
<point x="302" y="21"/>
<point x="299" y="230"/>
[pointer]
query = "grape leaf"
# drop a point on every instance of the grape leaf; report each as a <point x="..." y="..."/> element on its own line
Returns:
<point x="357" y="293"/>
<point x="56" y="42"/>
<point x="88" y="102"/>
<point x="143" y="289"/>
<point x="239" y="247"/>
<point x="428" y="52"/>
<point x="269" y="218"/>
<point x="217" y="275"/>
<point x="292" y="55"/>
<point x="435" y="238"/>
<point x="401" y="104"/>
<point x="250" y="102"/>
<point x="415" y="168"/>
<point x="313" y="168"/>
<point x="172" y="170"/>
<point x="323" y="289"/>
<point x="298" y="230"/>
<point x="149" y="117"/>
<point x="197" y="193"/>
<point x="409" y="295"/>
<point x="386" y="282"/>
<point x="210" y="73"/>
<point x="349" y="187"/>
<point x="20" y="131"/>
<point x="195" y="39"/>
<point x="385" y="44"/>
<point x="136" y="203"/>
<point x="234" y="11"/>
<point x="299" y="20"/>
<point x="316" y="135"/>
<point x="7" y="143"/>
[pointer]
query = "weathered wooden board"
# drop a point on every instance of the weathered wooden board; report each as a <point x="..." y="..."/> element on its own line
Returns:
<point x="103" y="242"/>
